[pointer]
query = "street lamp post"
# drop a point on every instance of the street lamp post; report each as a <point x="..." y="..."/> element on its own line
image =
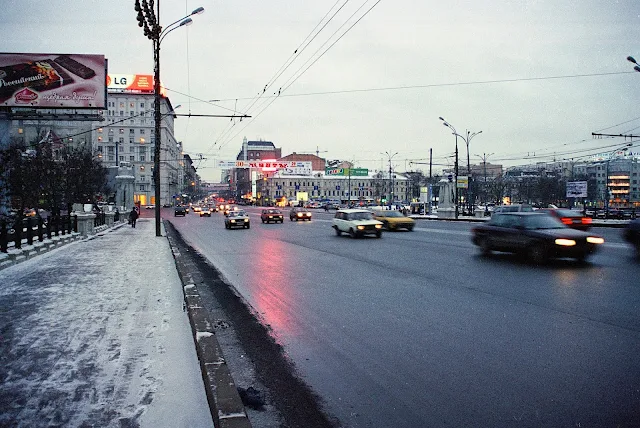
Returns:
<point x="390" y="156"/>
<point x="455" y="191"/>
<point x="467" y="140"/>
<point x="150" y="21"/>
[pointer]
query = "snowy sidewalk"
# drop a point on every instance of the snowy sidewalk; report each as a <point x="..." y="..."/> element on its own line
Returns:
<point x="94" y="334"/>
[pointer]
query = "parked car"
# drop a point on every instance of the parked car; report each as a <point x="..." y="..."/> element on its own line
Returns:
<point x="237" y="218"/>
<point x="357" y="223"/>
<point x="166" y="205"/>
<point x="573" y="219"/>
<point x="179" y="210"/>
<point x="298" y="213"/>
<point x="631" y="234"/>
<point x="205" y="212"/>
<point x="537" y="236"/>
<point x="149" y="207"/>
<point x="394" y="220"/>
<point x="269" y="215"/>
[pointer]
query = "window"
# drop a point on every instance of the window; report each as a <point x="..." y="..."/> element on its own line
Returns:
<point x="121" y="113"/>
<point x="142" y="158"/>
<point x="130" y="140"/>
<point x="99" y="138"/>
<point x="121" y="140"/>
<point x="142" y="187"/>
<point x="100" y="130"/>
<point x="142" y="132"/>
<point x="122" y="130"/>
<point x="141" y="105"/>
<point x="132" y="131"/>
<point x="132" y="158"/>
<point x="121" y="104"/>
<point x="110" y="150"/>
<point x="132" y="105"/>
<point x="131" y="113"/>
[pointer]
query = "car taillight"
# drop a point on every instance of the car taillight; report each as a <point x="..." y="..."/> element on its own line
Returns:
<point x="586" y="220"/>
<point x="566" y="220"/>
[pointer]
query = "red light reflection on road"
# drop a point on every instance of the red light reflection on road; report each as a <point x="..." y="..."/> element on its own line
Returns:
<point x="274" y="294"/>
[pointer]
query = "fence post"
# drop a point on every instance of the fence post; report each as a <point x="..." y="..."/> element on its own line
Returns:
<point x="75" y="223"/>
<point x="49" y="221"/>
<point x="40" y="237"/>
<point x="3" y="237"/>
<point x="17" y="227"/>
<point x="29" y="231"/>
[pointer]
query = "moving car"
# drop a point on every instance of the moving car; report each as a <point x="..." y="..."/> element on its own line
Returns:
<point x="394" y="220"/>
<point x="269" y="215"/>
<point x="573" y="219"/>
<point x="537" y="236"/>
<point x="205" y="212"/>
<point x="513" y="208"/>
<point x="298" y="213"/>
<point x="197" y="209"/>
<point x="631" y="234"/>
<point x="237" y="218"/>
<point x="179" y="210"/>
<point x="356" y="223"/>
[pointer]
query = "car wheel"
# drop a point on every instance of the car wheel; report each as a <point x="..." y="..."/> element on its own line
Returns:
<point x="485" y="246"/>
<point x="338" y="231"/>
<point x="291" y="218"/>
<point x="352" y="233"/>
<point x="538" y="254"/>
<point x="409" y="228"/>
<point x="248" y="226"/>
<point x="378" y="234"/>
<point x="582" y="257"/>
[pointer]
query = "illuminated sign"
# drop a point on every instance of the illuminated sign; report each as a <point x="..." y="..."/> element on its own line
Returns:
<point x="138" y="83"/>
<point x="265" y="165"/>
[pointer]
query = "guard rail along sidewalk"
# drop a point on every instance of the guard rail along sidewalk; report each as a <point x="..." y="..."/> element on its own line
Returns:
<point x="30" y="236"/>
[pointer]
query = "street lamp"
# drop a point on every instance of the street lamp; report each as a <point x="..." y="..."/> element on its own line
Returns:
<point x="455" y="191"/>
<point x="633" y="60"/>
<point x="467" y="140"/>
<point x="390" y="156"/>
<point x="150" y="21"/>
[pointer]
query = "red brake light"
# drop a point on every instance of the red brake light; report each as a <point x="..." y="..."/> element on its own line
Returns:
<point x="586" y="220"/>
<point x="566" y="220"/>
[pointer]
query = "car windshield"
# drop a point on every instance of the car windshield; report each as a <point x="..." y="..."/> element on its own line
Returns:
<point x="542" y="222"/>
<point x="273" y="212"/>
<point x="361" y="216"/>
<point x="236" y="213"/>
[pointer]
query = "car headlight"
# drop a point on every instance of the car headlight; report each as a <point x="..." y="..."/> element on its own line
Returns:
<point x="360" y="227"/>
<point x="378" y="226"/>
<point x="233" y="221"/>
<point x="565" y="242"/>
<point x="595" y="240"/>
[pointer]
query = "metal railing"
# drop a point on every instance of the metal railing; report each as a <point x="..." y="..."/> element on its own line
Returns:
<point x="28" y="229"/>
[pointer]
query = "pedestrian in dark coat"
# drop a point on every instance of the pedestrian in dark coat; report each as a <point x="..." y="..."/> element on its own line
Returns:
<point x="133" y="216"/>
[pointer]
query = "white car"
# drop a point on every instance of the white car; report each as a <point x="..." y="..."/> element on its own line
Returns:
<point x="357" y="223"/>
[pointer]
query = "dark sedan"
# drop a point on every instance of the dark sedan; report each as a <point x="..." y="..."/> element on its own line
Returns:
<point x="179" y="210"/>
<point x="573" y="219"/>
<point x="299" y="213"/>
<point x="537" y="236"/>
<point x="631" y="234"/>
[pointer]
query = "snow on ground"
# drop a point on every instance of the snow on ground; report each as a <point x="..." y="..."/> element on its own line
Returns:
<point x="94" y="334"/>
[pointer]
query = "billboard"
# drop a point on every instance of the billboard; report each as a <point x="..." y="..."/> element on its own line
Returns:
<point x="354" y="172"/>
<point x="462" y="182"/>
<point x="263" y="164"/>
<point x="53" y="80"/>
<point x="137" y="83"/>
<point x="576" y="189"/>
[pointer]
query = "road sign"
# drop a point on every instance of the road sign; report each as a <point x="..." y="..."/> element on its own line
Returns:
<point x="576" y="189"/>
<point x="462" y="182"/>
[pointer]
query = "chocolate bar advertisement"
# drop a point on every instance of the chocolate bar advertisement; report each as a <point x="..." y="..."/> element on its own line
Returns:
<point x="53" y="80"/>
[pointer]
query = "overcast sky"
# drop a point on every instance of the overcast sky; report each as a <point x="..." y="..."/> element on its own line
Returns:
<point x="536" y="77"/>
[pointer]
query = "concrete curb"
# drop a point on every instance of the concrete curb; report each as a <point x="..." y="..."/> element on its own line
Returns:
<point x="225" y="403"/>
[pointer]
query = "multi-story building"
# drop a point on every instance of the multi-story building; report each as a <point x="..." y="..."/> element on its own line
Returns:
<point x="129" y="136"/>
<point x="241" y="179"/>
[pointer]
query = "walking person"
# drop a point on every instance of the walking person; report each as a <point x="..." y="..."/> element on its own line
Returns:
<point x="133" y="216"/>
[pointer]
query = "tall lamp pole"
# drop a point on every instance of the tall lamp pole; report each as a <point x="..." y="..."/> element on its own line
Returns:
<point x="467" y="140"/>
<point x="150" y="21"/>
<point x="455" y="191"/>
<point x="390" y="156"/>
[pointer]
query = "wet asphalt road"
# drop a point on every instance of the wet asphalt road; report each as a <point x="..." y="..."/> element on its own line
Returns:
<point x="416" y="329"/>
